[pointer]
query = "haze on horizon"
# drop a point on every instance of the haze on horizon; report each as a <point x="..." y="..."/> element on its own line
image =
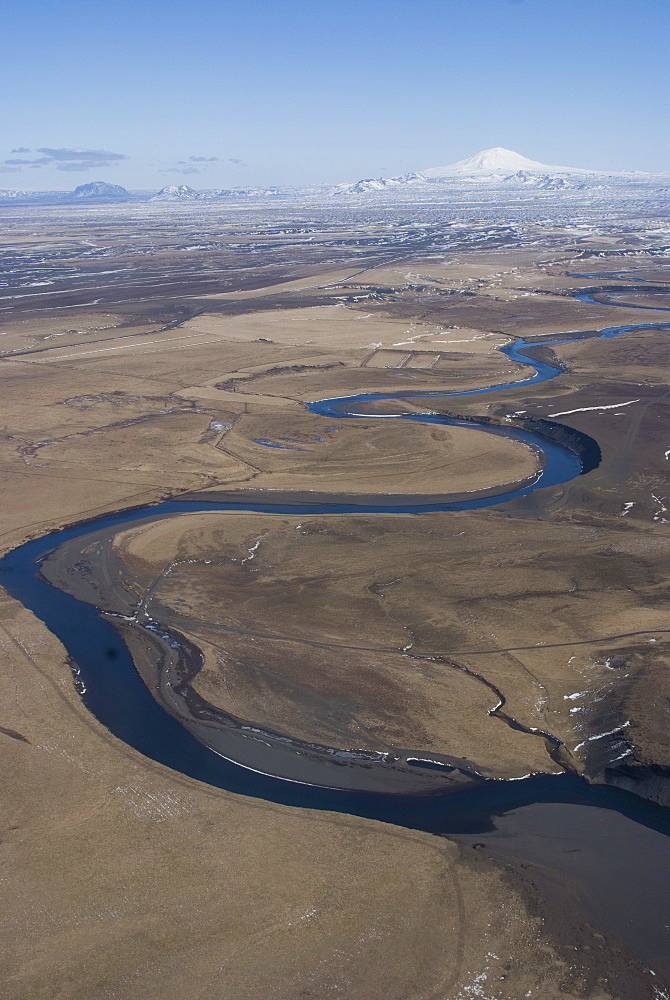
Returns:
<point x="224" y="93"/>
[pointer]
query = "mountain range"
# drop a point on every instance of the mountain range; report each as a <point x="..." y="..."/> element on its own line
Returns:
<point x="491" y="169"/>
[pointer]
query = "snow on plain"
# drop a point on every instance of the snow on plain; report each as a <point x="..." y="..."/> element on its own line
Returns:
<point x="662" y="509"/>
<point x="588" y="409"/>
<point x="153" y="805"/>
<point x="601" y="736"/>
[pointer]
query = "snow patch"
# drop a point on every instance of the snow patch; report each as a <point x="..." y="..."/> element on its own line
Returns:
<point x="588" y="409"/>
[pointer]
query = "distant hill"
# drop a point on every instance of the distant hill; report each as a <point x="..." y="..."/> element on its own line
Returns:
<point x="99" y="191"/>
<point x="182" y="192"/>
<point x="176" y="192"/>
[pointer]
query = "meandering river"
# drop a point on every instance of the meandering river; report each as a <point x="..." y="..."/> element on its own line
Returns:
<point x="612" y="844"/>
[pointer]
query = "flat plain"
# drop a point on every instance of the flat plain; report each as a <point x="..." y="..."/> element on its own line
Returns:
<point x="158" y="353"/>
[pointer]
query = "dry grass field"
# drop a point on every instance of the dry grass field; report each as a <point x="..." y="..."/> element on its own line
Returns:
<point x="123" y="879"/>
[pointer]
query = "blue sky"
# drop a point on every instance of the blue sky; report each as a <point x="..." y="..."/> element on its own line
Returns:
<point x="217" y="93"/>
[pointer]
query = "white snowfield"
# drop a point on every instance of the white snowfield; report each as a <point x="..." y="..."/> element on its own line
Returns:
<point x="587" y="409"/>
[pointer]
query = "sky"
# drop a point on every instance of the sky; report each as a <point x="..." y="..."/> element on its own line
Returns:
<point x="236" y="93"/>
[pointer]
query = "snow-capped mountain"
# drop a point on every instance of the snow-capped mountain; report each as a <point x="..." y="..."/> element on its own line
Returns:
<point x="499" y="161"/>
<point x="488" y="167"/>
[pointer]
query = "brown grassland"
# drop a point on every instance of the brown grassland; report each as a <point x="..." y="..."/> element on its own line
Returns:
<point x="123" y="879"/>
